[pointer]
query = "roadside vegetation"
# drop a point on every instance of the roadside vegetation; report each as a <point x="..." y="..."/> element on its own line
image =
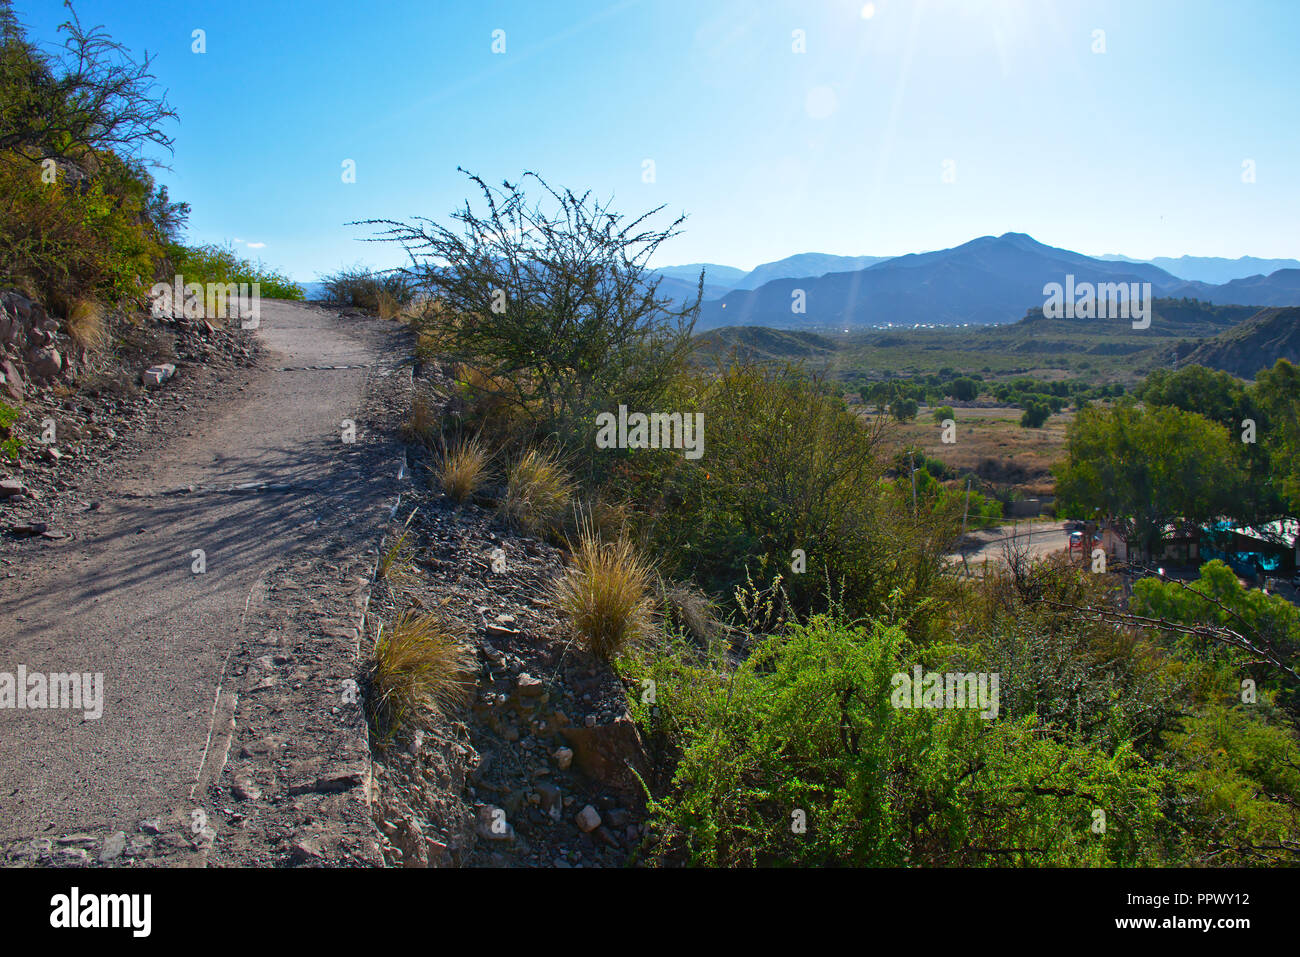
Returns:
<point x="86" y="229"/>
<point x="774" y="586"/>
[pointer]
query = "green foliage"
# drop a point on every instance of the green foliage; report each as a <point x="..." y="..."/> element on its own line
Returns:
<point x="10" y="444"/>
<point x="1218" y="396"/>
<point x="80" y="216"/>
<point x="62" y="241"/>
<point x="786" y="466"/>
<point x="1217" y="598"/>
<point x="1146" y="468"/>
<point x="222" y="264"/>
<point x="1036" y="414"/>
<point x="807" y="724"/>
<point x="963" y="389"/>
<point x="903" y="408"/>
<point x="1277" y="395"/>
<point x="943" y="412"/>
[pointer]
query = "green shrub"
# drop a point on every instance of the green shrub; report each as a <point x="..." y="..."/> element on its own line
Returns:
<point x="1036" y="414"/>
<point x="62" y="241"/>
<point x="10" y="444"/>
<point x="800" y="758"/>
<point x="222" y="264"/>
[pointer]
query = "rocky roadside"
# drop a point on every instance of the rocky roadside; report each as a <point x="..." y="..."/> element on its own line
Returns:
<point x="84" y="418"/>
<point x="542" y="769"/>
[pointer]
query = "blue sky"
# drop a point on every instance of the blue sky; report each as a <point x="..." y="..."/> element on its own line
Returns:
<point x="840" y="149"/>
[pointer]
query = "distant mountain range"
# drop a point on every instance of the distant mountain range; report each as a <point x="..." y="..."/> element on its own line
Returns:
<point x="1212" y="269"/>
<point x="993" y="279"/>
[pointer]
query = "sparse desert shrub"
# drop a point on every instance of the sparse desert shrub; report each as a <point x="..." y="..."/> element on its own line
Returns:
<point x="685" y="609"/>
<point x="421" y="426"/>
<point x="395" y="565"/>
<point x="463" y="469"/>
<point x="1035" y="415"/>
<point x="386" y="305"/>
<point x="557" y="291"/>
<point x="604" y="593"/>
<point x="63" y="240"/>
<point x="9" y="442"/>
<point x="419" y="670"/>
<point x="86" y="325"/>
<point x="538" y="491"/>
<point x="602" y="518"/>
<point x="365" y="288"/>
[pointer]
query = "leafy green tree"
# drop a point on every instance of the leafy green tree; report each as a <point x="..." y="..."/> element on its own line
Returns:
<point x="1216" y="395"/>
<point x="963" y="389"/>
<point x="1145" y="468"/>
<point x="1277" y="396"/>
<point x="1036" y="414"/>
<point x="904" y="408"/>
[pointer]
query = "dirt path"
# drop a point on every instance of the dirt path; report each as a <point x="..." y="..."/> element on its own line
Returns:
<point x="123" y="597"/>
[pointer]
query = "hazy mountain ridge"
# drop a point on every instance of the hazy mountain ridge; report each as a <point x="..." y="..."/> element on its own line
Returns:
<point x="1215" y="270"/>
<point x="992" y="279"/>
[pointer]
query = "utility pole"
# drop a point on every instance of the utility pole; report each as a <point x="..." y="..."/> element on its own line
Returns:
<point x="966" y="510"/>
<point x="911" y="473"/>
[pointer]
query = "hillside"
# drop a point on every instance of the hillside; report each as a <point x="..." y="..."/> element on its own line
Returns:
<point x="1111" y="349"/>
<point x="1255" y="344"/>
<point x="764" y="344"/>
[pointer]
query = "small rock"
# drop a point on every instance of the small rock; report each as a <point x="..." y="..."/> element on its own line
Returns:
<point x="306" y="851"/>
<point x="245" y="788"/>
<point x="114" y="845"/>
<point x="563" y="758"/>
<point x="528" y="686"/>
<point x="588" y="819"/>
